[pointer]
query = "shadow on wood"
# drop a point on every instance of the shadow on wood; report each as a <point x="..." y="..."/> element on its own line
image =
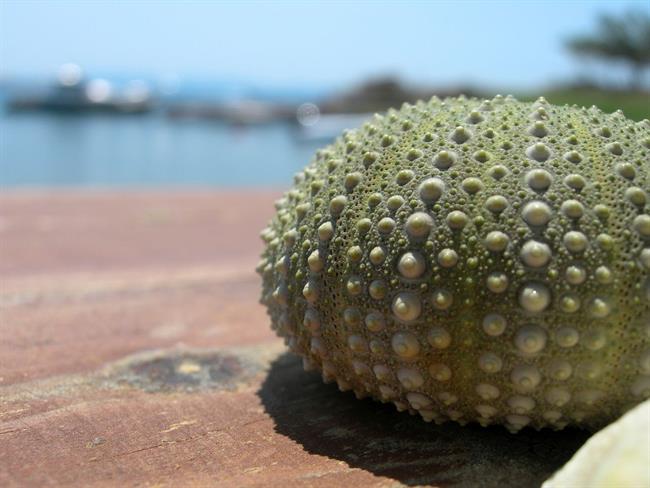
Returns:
<point x="374" y="437"/>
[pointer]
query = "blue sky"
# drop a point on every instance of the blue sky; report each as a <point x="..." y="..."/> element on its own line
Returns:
<point x="514" y="44"/>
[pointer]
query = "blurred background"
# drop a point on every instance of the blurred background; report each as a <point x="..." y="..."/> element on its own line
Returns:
<point x="225" y="94"/>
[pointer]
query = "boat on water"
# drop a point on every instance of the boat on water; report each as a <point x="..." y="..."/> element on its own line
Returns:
<point x="73" y="93"/>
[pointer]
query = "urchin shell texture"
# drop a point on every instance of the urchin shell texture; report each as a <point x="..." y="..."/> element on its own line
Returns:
<point x="473" y="260"/>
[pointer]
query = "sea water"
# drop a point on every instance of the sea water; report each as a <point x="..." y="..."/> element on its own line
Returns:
<point x="99" y="150"/>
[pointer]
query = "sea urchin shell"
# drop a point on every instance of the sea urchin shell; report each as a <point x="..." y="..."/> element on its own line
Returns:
<point x="473" y="260"/>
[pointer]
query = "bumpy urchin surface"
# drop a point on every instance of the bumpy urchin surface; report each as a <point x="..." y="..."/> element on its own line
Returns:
<point x="473" y="260"/>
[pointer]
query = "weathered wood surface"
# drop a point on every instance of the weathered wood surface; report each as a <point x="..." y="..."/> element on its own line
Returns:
<point x="133" y="352"/>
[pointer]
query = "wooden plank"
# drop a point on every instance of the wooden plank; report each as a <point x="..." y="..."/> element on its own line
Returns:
<point x="134" y="352"/>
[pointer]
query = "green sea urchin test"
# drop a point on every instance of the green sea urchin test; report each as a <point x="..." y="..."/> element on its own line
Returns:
<point x="471" y="260"/>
